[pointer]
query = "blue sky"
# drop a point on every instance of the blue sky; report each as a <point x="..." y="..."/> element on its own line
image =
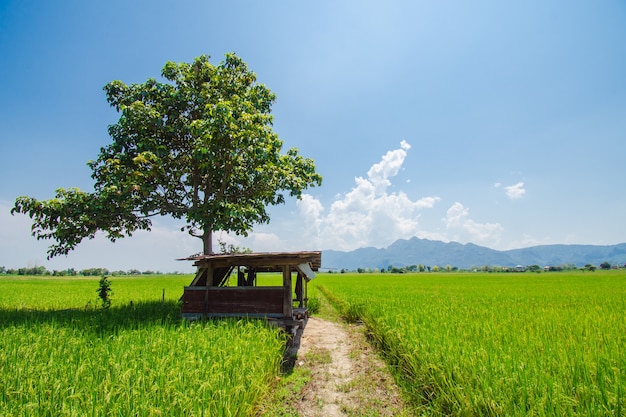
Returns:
<point x="497" y="123"/>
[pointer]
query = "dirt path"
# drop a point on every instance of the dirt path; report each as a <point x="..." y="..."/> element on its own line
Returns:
<point x="347" y="378"/>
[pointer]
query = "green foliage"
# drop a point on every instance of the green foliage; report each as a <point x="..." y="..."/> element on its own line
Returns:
<point x="105" y="292"/>
<point x="314" y="304"/>
<point x="74" y="215"/>
<point x="497" y="344"/>
<point x="199" y="147"/>
<point x="36" y="270"/>
<point x="94" y="272"/>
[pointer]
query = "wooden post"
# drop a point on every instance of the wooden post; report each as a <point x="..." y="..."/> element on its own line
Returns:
<point x="241" y="278"/>
<point x="209" y="283"/>
<point x="288" y="298"/>
<point x="299" y="293"/>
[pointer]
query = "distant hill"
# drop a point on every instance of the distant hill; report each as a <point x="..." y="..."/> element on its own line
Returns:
<point x="416" y="251"/>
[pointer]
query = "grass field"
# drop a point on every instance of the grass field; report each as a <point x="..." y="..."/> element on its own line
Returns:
<point x="461" y="344"/>
<point x="61" y="355"/>
<point x="465" y="344"/>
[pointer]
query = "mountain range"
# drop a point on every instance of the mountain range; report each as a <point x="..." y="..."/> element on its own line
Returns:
<point x="416" y="251"/>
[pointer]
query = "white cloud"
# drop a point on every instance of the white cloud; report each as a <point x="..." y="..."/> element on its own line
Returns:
<point x="427" y="202"/>
<point x="265" y="242"/>
<point x="516" y="191"/>
<point x="367" y="215"/>
<point x="464" y="229"/>
<point x="310" y="209"/>
<point x="388" y="167"/>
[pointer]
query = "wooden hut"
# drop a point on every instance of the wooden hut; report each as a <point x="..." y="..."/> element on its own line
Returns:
<point x="227" y="285"/>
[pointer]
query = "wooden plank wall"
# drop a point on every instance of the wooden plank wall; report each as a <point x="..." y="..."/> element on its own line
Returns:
<point x="234" y="300"/>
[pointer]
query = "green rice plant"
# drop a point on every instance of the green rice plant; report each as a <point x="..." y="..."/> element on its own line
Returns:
<point x="58" y="293"/>
<point x="314" y="304"/>
<point x="502" y="344"/>
<point x="138" y="359"/>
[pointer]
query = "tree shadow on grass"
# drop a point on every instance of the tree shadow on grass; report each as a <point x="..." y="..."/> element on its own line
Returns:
<point x="98" y="320"/>
<point x="102" y="322"/>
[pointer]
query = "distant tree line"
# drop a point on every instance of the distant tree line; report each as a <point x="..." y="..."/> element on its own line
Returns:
<point x="483" y="268"/>
<point x="93" y="272"/>
<point x="42" y="271"/>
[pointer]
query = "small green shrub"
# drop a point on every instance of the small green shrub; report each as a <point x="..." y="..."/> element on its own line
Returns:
<point x="104" y="292"/>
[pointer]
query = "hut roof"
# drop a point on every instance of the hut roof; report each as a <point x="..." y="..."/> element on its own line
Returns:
<point x="264" y="260"/>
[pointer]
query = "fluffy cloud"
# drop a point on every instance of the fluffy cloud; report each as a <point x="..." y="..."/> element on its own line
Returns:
<point x="388" y="167"/>
<point x="516" y="191"/>
<point x="463" y="229"/>
<point x="267" y="241"/>
<point x="367" y="215"/>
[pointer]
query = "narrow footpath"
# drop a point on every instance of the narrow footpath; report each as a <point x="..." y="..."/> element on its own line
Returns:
<point x="347" y="378"/>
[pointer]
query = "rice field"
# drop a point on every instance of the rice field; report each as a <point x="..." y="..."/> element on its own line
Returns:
<point x="461" y="344"/>
<point x="62" y="355"/>
<point x="475" y="344"/>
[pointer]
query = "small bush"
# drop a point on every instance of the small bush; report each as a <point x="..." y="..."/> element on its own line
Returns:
<point x="104" y="292"/>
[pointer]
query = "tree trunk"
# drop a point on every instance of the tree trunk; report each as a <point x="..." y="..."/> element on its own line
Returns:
<point x="207" y="242"/>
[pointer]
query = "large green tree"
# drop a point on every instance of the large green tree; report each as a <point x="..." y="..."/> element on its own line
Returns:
<point x="198" y="147"/>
